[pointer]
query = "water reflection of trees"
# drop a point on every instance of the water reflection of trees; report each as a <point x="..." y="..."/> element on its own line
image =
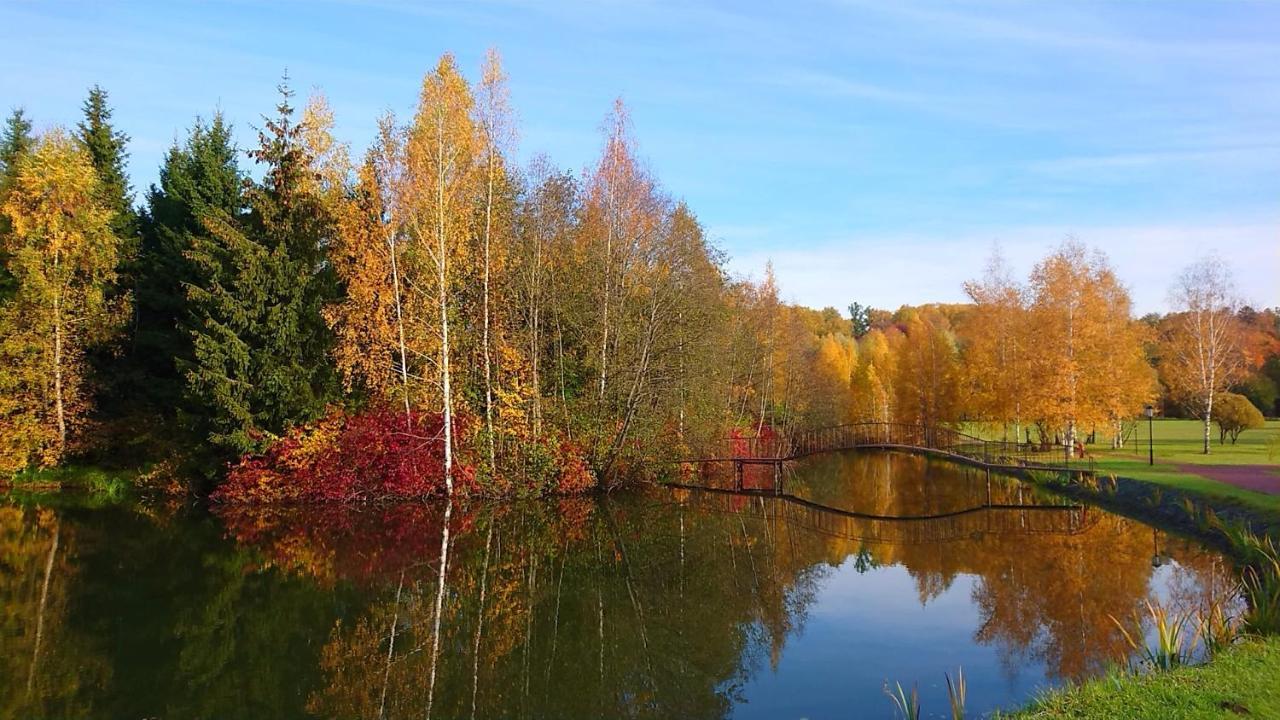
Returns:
<point x="662" y="604"/>
<point x="44" y="668"/>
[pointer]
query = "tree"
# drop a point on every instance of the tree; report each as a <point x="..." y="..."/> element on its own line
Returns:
<point x="996" y="345"/>
<point x="544" y="228"/>
<point x="14" y="143"/>
<point x="260" y="342"/>
<point x="200" y="181"/>
<point x="439" y="182"/>
<point x="1234" y="414"/>
<point x="367" y="319"/>
<point x="859" y="319"/>
<point x="1202" y="354"/>
<point x="63" y="256"/>
<point x="1079" y="315"/>
<point x="927" y="372"/>
<point x="106" y="148"/>
<point x="494" y="124"/>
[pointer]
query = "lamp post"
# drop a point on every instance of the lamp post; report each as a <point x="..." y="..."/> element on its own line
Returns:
<point x="1150" y="412"/>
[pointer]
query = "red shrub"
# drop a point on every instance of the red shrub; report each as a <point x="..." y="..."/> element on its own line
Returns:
<point x="377" y="454"/>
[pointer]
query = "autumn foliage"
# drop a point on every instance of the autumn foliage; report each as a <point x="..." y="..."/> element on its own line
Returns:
<point x="382" y="454"/>
<point x="377" y="454"/>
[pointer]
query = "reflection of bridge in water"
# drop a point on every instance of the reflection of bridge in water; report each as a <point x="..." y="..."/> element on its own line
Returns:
<point x="775" y="450"/>
<point x="992" y="518"/>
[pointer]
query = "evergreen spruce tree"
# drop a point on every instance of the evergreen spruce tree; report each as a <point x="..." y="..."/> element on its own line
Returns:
<point x="14" y="142"/>
<point x="260" y="345"/>
<point x="107" y="150"/>
<point x="199" y="180"/>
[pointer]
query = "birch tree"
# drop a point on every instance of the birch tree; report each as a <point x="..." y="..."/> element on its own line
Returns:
<point x="493" y="121"/>
<point x="63" y="257"/>
<point x="440" y="173"/>
<point x="996" y="344"/>
<point x="1203" y="351"/>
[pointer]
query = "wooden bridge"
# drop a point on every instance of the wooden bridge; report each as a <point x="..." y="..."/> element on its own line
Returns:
<point x="777" y="449"/>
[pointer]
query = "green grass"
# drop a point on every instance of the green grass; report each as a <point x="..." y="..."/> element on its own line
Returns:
<point x="109" y="483"/>
<point x="1243" y="681"/>
<point x="1180" y="442"/>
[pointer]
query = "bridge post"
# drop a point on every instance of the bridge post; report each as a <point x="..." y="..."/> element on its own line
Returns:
<point x="777" y="478"/>
<point x="737" y="475"/>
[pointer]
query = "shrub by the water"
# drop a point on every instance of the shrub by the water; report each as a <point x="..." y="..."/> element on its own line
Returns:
<point x="376" y="454"/>
<point x="380" y="454"/>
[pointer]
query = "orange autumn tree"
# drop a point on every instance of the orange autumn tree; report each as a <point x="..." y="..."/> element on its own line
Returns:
<point x="63" y="257"/>
<point x="1079" y="318"/>
<point x="996" y="344"/>
<point x="927" y="376"/>
<point x="438" y="184"/>
<point x="367" y="322"/>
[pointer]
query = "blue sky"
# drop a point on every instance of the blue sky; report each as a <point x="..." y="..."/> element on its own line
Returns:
<point x="874" y="151"/>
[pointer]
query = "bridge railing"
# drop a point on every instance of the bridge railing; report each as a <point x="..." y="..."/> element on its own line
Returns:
<point x="777" y="447"/>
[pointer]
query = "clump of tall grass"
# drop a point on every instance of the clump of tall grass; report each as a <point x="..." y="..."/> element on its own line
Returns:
<point x="1155" y="498"/>
<point x="956" y="692"/>
<point x="1111" y="485"/>
<point x="907" y="704"/>
<point x="1260" y="583"/>
<point x="1262" y="589"/>
<point x="1175" y="637"/>
<point x="1218" y="629"/>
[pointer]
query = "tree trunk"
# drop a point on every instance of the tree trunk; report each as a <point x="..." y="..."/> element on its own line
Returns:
<point x="57" y="360"/>
<point x="404" y="357"/>
<point x="488" y="362"/>
<point x="442" y="266"/>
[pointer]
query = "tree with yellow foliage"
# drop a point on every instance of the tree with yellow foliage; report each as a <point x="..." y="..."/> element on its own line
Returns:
<point x="927" y="375"/>
<point x="493" y="122"/>
<point x="63" y="257"/>
<point x="996" y="341"/>
<point x="834" y="363"/>
<point x="1083" y="335"/>
<point x="438" y="187"/>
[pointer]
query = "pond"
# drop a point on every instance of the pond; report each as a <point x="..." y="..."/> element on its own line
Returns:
<point x="663" y="603"/>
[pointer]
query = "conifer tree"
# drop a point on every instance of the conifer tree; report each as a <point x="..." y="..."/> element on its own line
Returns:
<point x="106" y="149"/>
<point x="199" y="180"/>
<point x="14" y="142"/>
<point x="260" y="342"/>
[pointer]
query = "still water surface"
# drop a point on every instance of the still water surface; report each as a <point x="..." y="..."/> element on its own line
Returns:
<point x="661" y="603"/>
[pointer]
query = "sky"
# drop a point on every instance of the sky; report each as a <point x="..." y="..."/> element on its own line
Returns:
<point x="872" y="151"/>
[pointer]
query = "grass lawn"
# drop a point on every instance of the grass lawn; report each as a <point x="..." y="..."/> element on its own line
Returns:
<point x="1179" y="443"/>
<point x="1242" y="682"/>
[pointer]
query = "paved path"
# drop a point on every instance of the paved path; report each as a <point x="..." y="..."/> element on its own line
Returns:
<point x="1263" y="478"/>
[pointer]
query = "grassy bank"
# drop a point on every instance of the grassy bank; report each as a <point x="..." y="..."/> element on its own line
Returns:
<point x="1240" y="682"/>
<point x="100" y="481"/>
<point x="1180" y="464"/>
